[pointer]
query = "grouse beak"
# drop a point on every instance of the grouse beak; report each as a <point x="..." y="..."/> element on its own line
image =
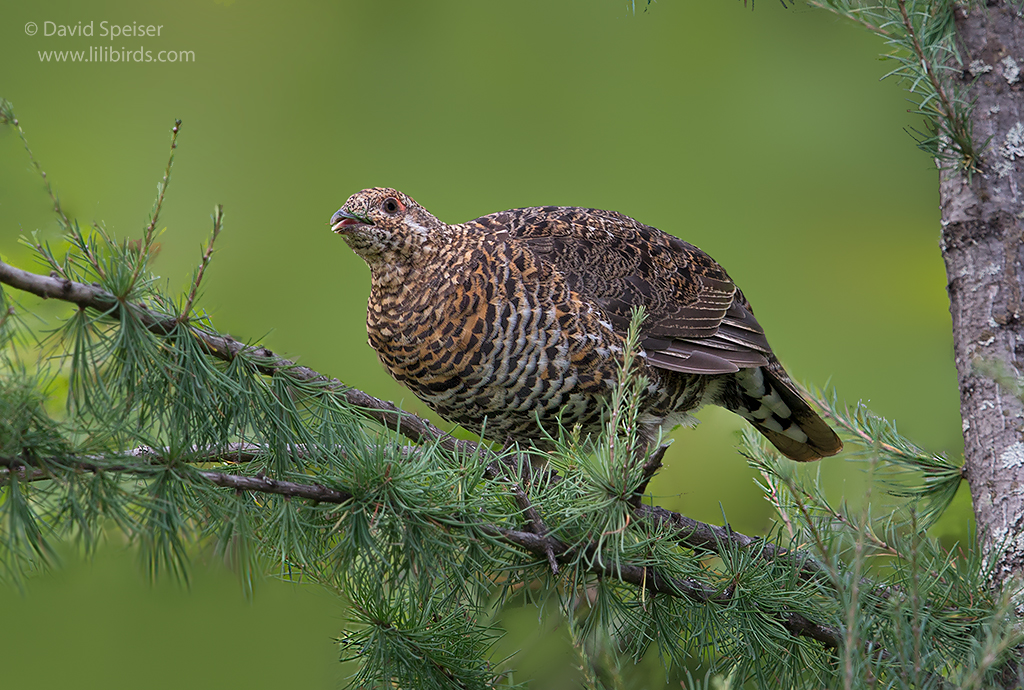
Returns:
<point x="342" y="219"/>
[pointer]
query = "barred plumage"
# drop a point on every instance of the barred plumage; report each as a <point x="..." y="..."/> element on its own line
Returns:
<point x="517" y="319"/>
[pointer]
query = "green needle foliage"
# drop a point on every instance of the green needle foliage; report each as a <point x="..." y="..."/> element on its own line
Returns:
<point x="922" y="38"/>
<point x="183" y="446"/>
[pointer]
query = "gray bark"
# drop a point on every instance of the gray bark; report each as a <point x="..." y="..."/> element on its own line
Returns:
<point x="983" y="247"/>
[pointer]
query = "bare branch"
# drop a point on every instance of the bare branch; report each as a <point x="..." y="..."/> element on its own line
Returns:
<point x="266" y="485"/>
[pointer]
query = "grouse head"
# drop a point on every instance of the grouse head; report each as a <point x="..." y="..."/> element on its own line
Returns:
<point x="385" y="227"/>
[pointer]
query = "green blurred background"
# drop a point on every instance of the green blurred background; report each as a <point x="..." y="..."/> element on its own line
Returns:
<point x="764" y="137"/>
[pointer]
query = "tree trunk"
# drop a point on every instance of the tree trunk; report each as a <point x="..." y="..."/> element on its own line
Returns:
<point x="983" y="246"/>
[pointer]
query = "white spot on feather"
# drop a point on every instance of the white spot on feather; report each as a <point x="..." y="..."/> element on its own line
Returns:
<point x="796" y="433"/>
<point x="752" y="382"/>
<point x="780" y="408"/>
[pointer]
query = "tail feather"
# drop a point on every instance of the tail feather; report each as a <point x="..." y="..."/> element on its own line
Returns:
<point x="765" y="397"/>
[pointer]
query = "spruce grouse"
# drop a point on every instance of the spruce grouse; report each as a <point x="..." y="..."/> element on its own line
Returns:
<point x="517" y="319"/>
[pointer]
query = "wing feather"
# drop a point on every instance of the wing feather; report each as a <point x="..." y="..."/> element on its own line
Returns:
<point x="698" y="321"/>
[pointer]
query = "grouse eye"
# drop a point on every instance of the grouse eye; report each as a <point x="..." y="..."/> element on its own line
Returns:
<point x="390" y="205"/>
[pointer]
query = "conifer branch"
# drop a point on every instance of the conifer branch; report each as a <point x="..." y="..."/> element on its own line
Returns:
<point x="315" y="492"/>
<point x="162" y="191"/>
<point x="7" y="117"/>
<point x="852" y="15"/>
<point x="218" y="222"/>
<point x="227" y="349"/>
<point x="536" y="541"/>
<point x="534" y="520"/>
<point x="688" y="532"/>
<point x="947" y="112"/>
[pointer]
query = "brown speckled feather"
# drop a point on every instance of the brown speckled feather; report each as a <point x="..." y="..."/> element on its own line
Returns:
<point x="514" y="321"/>
<point x="698" y="322"/>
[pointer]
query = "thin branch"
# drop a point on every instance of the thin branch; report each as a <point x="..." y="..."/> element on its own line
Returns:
<point x="650" y="468"/>
<point x="7" y="115"/>
<point x="83" y="243"/>
<point x="947" y="112"/>
<point x="510" y="475"/>
<point x="701" y="536"/>
<point x="852" y="16"/>
<point x="146" y="243"/>
<point x="5" y="315"/>
<point x="218" y="221"/>
<point x="642" y="577"/>
<point x="266" y="485"/>
<point x="158" y="205"/>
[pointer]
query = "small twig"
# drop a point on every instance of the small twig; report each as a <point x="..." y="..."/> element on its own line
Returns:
<point x="24" y="474"/>
<point x="852" y="16"/>
<point x="146" y="245"/>
<point x="847" y="426"/>
<point x="776" y="501"/>
<point x="218" y="220"/>
<point x="536" y="523"/>
<point x="158" y="205"/>
<point x="239" y="452"/>
<point x="947" y="111"/>
<point x="86" y="248"/>
<point x="879" y="543"/>
<point x="958" y="130"/>
<point x="650" y="467"/>
<point x="8" y="117"/>
<point x="50" y="259"/>
<point x="5" y="316"/>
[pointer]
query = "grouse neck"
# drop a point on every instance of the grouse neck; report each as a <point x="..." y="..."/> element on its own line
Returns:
<point x="396" y="276"/>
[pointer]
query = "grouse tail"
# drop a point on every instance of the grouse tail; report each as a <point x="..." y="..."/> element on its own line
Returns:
<point x="770" y="402"/>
